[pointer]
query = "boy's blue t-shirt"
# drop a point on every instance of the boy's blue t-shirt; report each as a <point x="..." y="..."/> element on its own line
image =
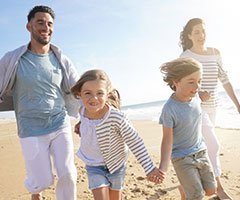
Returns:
<point x="38" y="99"/>
<point x="186" y="120"/>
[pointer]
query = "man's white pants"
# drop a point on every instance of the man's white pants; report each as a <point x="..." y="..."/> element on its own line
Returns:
<point x="37" y="152"/>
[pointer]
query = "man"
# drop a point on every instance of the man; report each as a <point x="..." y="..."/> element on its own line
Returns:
<point x="39" y="77"/>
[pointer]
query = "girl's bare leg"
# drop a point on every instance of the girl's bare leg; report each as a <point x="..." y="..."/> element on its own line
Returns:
<point x="101" y="193"/>
<point x="115" y="194"/>
<point x="36" y="196"/>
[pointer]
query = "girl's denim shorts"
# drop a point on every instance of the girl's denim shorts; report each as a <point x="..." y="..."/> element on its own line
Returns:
<point x="99" y="176"/>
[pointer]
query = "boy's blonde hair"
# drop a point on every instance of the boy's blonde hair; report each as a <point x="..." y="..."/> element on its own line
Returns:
<point x="177" y="69"/>
<point x="97" y="74"/>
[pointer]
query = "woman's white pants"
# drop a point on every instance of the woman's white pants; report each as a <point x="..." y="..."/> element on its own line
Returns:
<point x="211" y="140"/>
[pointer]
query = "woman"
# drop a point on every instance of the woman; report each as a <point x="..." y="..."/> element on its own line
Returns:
<point x="192" y="40"/>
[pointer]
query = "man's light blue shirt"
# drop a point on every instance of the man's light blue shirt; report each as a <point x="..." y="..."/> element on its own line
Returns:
<point x="38" y="98"/>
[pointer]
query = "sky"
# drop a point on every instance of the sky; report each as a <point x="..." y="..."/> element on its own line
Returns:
<point x="129" y="39"/>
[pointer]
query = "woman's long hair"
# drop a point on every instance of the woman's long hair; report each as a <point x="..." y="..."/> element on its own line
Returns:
<point x="185" y="42"/>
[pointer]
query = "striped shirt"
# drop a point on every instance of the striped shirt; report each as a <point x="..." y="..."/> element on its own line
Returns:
<point x="212" y="72"/>
<point x="116" y="136"/>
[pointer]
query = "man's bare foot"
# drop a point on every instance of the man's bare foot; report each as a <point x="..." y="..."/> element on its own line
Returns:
<point x="36" y="197"/>
<point x="222" y="195"/>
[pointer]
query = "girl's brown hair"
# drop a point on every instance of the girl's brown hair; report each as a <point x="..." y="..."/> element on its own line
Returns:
<point x="177" y="69"/>
<point x="97" y="74"/>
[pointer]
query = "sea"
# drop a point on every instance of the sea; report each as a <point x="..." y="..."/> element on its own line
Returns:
<point x="227" y="114"/>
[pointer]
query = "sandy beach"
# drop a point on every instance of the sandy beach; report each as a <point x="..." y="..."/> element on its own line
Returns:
<point x="12" y="170"/>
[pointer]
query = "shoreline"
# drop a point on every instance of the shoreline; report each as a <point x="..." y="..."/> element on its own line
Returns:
<point x="136" y="186"/>
<point x="10" y="120"/>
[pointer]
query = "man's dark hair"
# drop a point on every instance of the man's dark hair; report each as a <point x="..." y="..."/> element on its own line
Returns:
<point x="41" y="8"/>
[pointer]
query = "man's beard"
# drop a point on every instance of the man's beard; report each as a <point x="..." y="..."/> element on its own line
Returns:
<point x="41" y="40"/>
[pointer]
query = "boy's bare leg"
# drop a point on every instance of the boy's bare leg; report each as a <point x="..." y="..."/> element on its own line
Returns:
<point x="221" y="193"/>
<point x="182" y="193"/>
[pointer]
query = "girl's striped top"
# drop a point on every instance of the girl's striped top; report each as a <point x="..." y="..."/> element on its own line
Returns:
<point x="115" y="135"/>
<point x="212" y="72"/>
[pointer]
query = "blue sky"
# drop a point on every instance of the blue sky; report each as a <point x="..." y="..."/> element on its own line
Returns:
<point x="129" y="39"/>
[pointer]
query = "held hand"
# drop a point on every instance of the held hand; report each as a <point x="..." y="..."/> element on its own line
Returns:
<point x="204" y="95"/>
<point x="156" y="176"/>
<point x="77" y="128"/>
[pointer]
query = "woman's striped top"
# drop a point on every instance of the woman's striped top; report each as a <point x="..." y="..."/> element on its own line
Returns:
<point x="212" y="72"/>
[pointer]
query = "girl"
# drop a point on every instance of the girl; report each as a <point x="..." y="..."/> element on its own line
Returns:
<point x="182" y="138"/>
<point x="106" y="135"/>
<point x="193" y="39"/>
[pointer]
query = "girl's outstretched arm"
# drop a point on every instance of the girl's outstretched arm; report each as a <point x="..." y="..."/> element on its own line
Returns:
<point x="77" y="128"/>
